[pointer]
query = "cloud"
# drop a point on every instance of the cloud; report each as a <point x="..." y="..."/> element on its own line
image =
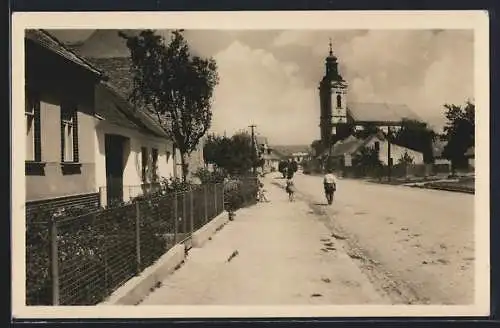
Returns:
<point x="270" y="77"/>
<point x="421" y="68"/>
<point x="257" y="88"/>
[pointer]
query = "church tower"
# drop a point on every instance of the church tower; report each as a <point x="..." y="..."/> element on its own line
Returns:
<point x="333" y="99"/>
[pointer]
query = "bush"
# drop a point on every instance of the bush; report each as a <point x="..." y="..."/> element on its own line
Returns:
<point x="239" y="193"/>
<point x="207" y="176"/>
<point x="38" y="280"/>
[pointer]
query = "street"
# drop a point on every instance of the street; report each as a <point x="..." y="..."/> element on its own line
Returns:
<point x="422" y="240"/>
<point x="376" y="244"/>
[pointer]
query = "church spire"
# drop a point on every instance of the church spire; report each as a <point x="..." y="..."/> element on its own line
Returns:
<point x="331" y="70"/>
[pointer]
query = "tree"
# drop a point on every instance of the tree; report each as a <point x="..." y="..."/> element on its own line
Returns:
<point x="233" y="155"/>
<point x="459" y="133"/>
<point x="418" y="136"/>
<point x="175" y="86"/>
<point x="367" y="158"/>
<point x="317" y="147"/>
<point x="241" y="153"/>
<point x="405" y="159"/>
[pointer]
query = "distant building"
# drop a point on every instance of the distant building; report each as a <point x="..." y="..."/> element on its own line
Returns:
<point x="336" y="112"/>
<point x="295" y="152"/>
<point x="441" y="164"/>
<point x="469" y="154"/>
<point x="345" y="150"/>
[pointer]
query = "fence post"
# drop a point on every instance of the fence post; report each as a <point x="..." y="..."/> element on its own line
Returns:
<point x="205" y="202"/>
<point x="191" y="210"/>
<point x="54" y="261"/>
<point x="215" y="199"/>
<point x="222" y="196"/>
<point x="138" y="235"/>
<point x="184" y="221"/>
<point x="176" y="218"/>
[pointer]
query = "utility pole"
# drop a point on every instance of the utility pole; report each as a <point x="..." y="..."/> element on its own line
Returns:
<point x="252" y="127"/>
<point x="389" y="158"/>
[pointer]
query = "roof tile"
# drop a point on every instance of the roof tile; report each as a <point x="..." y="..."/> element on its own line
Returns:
<point x="49" y="42"/>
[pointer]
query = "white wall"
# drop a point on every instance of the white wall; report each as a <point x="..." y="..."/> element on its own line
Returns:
<point x="132" y="175"/>
<point x="396" y="152"/>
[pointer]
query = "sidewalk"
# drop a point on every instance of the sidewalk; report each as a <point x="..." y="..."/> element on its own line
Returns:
<point x="282" y="255"/>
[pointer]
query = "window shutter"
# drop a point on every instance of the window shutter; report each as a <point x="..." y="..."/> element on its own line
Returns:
<point x="75" y="136"/>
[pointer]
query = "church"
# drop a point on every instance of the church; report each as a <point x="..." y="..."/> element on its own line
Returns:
<point x="337" y="113"/>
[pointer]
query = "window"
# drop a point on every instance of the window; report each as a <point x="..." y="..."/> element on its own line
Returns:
<point x="339" y="101"/>
<point x="168" y="156"/>
<point x="377" y="145"/>
<point x="32" y="118"/>
<point x="154" y="164"/>
<point x="69" y="134"/>
<point x="144" y="164"/>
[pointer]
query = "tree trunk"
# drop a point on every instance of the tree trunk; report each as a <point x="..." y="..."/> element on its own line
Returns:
<point x="184" y="166"/>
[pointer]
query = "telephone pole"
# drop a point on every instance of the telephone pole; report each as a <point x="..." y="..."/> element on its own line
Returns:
<point x="252" y="127"/>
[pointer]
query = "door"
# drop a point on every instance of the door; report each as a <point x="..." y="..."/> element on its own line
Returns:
<point x="114" y="168"/>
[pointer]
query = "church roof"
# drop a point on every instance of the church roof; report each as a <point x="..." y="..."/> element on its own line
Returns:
<point x="380" y="112"/>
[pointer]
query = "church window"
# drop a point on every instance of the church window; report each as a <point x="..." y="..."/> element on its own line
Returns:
<point x="339" y="101"/>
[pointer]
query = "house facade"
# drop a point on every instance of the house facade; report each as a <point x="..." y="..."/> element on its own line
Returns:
<point x="132" y="152"/>
<point x="85" y="143"/>
<point x="60" y="124"/>
<point x="109" y="52"/>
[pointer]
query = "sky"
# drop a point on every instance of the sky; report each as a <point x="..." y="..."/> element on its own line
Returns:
<point x="270" y="77"/>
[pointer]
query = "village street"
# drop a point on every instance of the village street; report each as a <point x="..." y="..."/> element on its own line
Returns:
<point x="376" y="244"/>
<point x="422" y="240"/>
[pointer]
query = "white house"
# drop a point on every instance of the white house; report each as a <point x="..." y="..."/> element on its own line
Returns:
<point x="132" y="152"/>
<point x="350" y="146"/>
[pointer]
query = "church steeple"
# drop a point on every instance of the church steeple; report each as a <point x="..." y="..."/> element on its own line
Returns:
<point x="331" y="65"/>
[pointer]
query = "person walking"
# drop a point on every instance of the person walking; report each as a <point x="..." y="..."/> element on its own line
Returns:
<point x="290" y="189"/>
<point x="330" y="185"/>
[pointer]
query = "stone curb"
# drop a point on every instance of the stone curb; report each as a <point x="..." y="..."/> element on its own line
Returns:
<point x="200" y="236"/>
<point x="447" y="188"/>
<point x="134" y="290"/>
<point x="138" y="287"/>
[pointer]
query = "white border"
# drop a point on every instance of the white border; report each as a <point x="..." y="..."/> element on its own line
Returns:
<point x="476" y="20"/>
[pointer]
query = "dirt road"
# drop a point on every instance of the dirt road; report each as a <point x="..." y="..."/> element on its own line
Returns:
<point x="275" y="253"/>
<point x="417" y="244"/>
<point x="377" y="244"/>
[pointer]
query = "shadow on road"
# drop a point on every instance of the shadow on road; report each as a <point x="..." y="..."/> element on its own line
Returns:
<point x="321" y="204"/>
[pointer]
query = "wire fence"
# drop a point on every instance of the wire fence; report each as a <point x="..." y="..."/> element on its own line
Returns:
<point x="82" y="259"/>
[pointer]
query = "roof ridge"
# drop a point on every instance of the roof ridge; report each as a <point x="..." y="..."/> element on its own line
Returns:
<point x="65" y="47"/>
